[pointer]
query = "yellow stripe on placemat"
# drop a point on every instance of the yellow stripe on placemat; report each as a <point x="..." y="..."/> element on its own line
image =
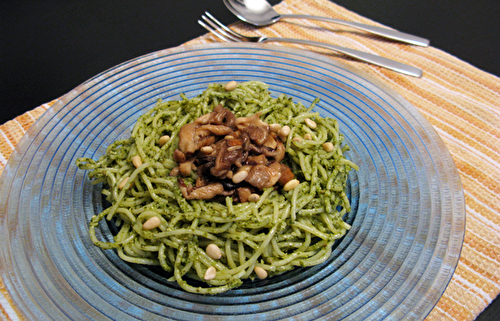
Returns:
<point x="459" y="100"/>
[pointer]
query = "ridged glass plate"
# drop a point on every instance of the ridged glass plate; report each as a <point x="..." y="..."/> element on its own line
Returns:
<point x="408" y="211"/>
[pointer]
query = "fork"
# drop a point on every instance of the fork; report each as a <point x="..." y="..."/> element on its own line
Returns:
<point x="226" y="34"/>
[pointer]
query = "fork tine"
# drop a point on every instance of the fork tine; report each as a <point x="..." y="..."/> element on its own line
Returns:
<point x="220" y="27"/>
<point x="217" y="32"/>
<point x="224" y="27"/>
<point x="214" y="31"/>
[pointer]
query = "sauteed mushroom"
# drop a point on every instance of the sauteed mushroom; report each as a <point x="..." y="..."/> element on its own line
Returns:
<point x="236" y="157"/>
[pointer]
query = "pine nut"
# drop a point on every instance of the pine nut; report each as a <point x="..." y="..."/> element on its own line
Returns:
<point x="213" y="251"/>
<point x="232" y="148"/>
<point x="240" y="176"/>
<point x="231" y="85"/>
<point x="253" y="198"/>
<point x="151" y="223"/>
<point x="284" y="132"/>
<point x="163" y="140"/>
<point x="210" y="274"/>
<point x="137" y="161"/>
<point x="310" y="123"/>
<point x="275" y="128"/>
<point x="123" y="183"/>
<point x="308" y="137"/>
<point x="207" y="149"/>
<point x="297" y="139"/>
<point x="328" y="147"/>
<point x="261" y="273"/>
<point x="291" y="185"/>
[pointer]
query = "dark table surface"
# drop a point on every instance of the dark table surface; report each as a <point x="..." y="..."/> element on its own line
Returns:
<point x="49" y="47"/>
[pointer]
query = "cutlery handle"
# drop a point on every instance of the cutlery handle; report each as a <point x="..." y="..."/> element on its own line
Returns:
<point x="360" y="55"/>
<point x="384" y="32"/>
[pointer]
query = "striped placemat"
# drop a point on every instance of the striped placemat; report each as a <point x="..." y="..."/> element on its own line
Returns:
<point x="459" y="100"/>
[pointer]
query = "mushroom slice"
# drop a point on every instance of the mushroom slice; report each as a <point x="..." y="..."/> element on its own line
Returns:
<point x="280" y="151"/>
<point x="271" y="141"/>
<point x="205" y="141"/>
<point x="258" y="134"/>
<point x="256" y="160"/>
<point x="179" y="157"/>
<point x="258" y="176"/>
<point x="286" y="175"/>
<point x="275" y="174"/>
<point x="185" y="168"/>
<point x="204" y="119"/>
<point x="223" y="116"/>
<point x="243" y="194"/>
<point x="242" y="122"/>
<point x="187" y="138"/>
<point x="201" y="193"/>
<point x="219" y="130"/>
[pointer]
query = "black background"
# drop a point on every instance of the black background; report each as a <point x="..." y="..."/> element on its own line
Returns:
<point x="49" y="47"/>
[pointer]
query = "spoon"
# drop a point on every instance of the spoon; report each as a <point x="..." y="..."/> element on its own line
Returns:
<point x="261" y="13"/>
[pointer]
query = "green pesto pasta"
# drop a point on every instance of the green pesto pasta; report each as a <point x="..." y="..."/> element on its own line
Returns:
<point x="280" y="231"/>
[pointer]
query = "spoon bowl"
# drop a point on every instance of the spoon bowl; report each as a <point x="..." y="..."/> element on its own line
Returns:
<point x="260" y="13"/>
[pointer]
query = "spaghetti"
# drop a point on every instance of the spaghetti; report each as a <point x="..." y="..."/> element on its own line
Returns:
<point x="270" y="235"/>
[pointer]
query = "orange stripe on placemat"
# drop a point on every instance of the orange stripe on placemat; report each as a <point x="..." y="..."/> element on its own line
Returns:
<point x="489" y="282"/>
<point x="452" y="310"/>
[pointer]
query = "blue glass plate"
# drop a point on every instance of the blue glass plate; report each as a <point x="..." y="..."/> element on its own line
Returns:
<point x="408" y="210"/>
